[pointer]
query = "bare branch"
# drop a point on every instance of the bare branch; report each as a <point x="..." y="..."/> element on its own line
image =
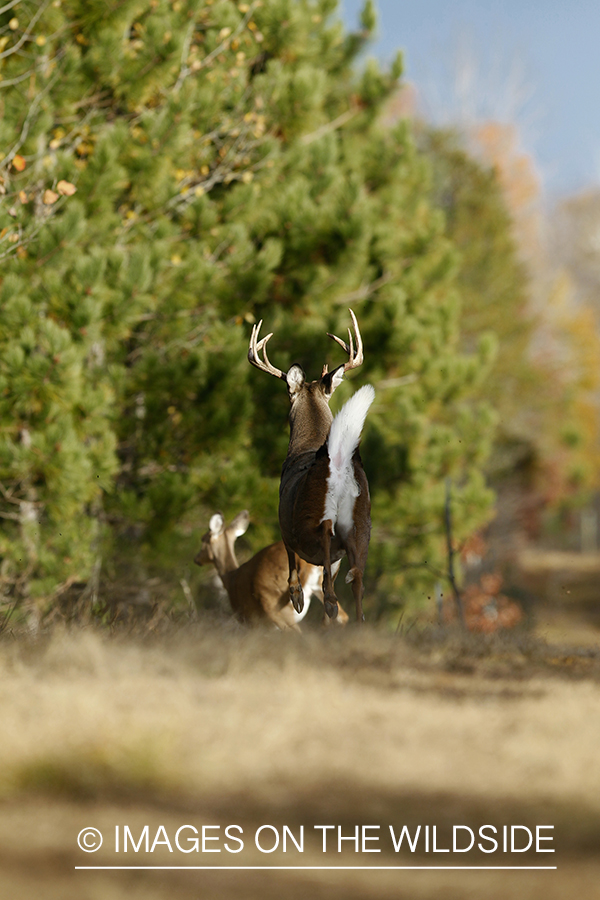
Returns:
<point x="398" y="382"/>
<point x="184" y="69"/>
<point x="27" y="122"/>
<point x="365" y="290"/>
<point x="225" y="44"/>
<point x="27" y="33"/>
<point x="451" y="552"/>
<point x="8" y="6"/>
<point x="329" y="126"/>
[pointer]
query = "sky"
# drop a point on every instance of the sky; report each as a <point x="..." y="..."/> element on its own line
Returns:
<point x="532" y="62"/>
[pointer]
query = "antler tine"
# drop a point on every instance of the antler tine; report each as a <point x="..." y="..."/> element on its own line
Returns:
<point x="254" y="353"/>
<point x="355" y="356"/>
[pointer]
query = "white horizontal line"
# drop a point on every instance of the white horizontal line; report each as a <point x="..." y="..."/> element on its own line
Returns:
<point x="332" y="868"/>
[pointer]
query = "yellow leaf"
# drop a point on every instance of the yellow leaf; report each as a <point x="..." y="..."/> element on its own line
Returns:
<point x="247" y="177"/>
<point x="18" y="163"/>
<point x="198" y="190"/>
<point x="40" y="40"/>
<point x="13" y="24"/>
<point x="49" y="197"/>
<point x="22" y="196"/>
<point x="176" y="259"/>
<point x="66" y="188"/>
<point x="204" y="170"/>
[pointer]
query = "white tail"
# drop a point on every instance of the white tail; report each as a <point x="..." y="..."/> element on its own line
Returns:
<point x="258" y="589"/>
<point x="324" y="504"/>
<point x="344" y="437"/>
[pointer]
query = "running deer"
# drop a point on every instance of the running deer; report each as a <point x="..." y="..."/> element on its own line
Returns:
<point x="324" y="504"/>
<point x="258" y="589"/>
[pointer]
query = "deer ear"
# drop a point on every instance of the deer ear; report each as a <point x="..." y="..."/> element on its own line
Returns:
<point x="239" y="525"/>
<point x="216" y="524"/>
<point x="333" y="380"/>
<point x="295" y="380"/>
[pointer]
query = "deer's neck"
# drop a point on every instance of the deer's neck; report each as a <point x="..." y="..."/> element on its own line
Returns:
<point x="309" y="426"/>
<point x="226" y="564"/>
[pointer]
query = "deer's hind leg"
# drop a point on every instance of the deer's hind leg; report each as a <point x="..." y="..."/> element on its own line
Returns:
<point x="356" y="546"/>
<point x="295" y="587"/>
<point x="330" y="600"/>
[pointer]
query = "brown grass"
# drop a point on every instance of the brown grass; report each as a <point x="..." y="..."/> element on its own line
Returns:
<point x="215" y="724"/>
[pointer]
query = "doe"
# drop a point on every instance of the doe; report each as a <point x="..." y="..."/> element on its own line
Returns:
<point x="258" y="589"/>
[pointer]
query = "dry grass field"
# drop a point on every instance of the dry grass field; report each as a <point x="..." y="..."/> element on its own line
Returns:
<point x="213" y="725"/>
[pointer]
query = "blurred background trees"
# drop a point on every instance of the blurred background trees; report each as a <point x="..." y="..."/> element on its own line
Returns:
<point x="174" y="171"/>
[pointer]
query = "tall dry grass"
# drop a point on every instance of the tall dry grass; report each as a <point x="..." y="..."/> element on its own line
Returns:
<point x="244" y="710"/>
<point x="256" y="726"/>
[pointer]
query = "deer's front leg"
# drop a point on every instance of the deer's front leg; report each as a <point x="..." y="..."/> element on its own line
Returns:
<point x="296" y="592"/>
<point x="330" y="600"/>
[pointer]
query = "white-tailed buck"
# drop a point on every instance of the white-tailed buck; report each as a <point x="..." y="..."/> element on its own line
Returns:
<point x="324" y="504"/>
<point x="258" y="589"/>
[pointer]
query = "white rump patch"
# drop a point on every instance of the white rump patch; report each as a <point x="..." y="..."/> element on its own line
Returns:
<point x="344" y="435"/>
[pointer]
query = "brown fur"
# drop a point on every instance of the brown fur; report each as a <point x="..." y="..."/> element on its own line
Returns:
<point x="303" y="486"/>
<point x="258" y="589"/>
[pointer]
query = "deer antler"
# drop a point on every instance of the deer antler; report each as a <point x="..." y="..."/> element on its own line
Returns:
<point x="254" y="353"/>
<point x="356" y="358"/>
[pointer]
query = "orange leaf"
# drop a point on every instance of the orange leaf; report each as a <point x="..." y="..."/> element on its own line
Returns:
<point x="66" y="188"/>
<point x="49" y="197"/>
<point x="18" y="163"/>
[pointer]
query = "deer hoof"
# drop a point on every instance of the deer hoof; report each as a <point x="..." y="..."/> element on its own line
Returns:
<point x="331" y="608"/>
<point x="297" y="597"/>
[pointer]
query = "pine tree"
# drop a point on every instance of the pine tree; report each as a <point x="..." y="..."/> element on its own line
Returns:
<point x="226" y="163"/>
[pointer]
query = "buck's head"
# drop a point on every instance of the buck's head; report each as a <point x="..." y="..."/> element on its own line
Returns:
<point x="310" y="416"/>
